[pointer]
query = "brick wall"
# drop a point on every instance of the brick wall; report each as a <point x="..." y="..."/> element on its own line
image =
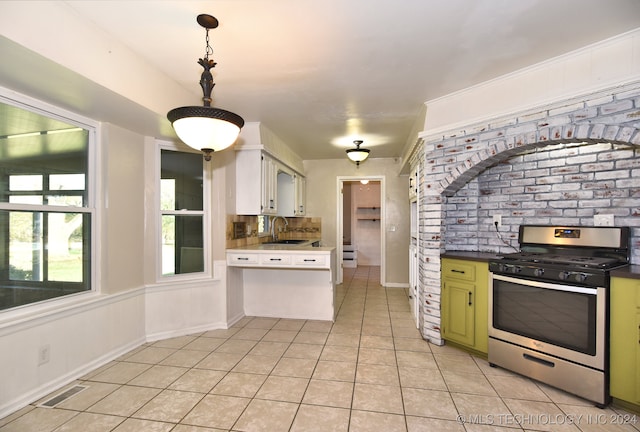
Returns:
<point x="558" y="165"/>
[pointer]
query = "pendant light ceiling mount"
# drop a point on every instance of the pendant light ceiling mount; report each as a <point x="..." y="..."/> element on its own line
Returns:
<point x="358" y="154"/>
<point x="206" y="128"/>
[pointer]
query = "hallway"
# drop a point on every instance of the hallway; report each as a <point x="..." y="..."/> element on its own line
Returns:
<point x="368" y="371"/>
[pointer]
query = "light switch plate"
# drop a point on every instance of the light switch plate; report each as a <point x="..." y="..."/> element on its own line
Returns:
<point x="603" y="220"/>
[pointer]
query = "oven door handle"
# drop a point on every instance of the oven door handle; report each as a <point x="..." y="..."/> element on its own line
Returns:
<point x="551" y="286"/>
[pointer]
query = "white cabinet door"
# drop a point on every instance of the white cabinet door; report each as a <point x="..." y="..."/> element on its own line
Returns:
<point x="413" y="184"/>
<point x="269" y="190"/>
<point x="301" y="195"/>
<point x="249" y="179"/>
<point x="414" y="298"/>
<point x="286" y="191"/>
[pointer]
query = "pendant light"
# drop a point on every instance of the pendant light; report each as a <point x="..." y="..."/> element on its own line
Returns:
<point x="358" y="154"/>
<point x="206" y="128"/>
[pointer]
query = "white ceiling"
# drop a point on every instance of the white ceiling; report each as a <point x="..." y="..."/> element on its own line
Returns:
<point x="322" y="73"/>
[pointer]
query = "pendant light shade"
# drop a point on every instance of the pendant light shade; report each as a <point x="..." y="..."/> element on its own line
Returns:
<point x="358" y="154"/>
<point x="206" y="128"/>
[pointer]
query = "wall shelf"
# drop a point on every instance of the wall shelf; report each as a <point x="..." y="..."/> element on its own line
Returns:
<point x="368" y="213"/>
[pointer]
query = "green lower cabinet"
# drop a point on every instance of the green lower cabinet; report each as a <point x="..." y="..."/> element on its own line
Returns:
<point x="464" y="305"/>
<point x="625" y="340"/>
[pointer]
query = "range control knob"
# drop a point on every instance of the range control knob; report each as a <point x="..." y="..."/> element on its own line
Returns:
<point x="563" y="275"/>
<point x="515" y="269"/>
<point x="538" y="272"/>
<point x="580" y="277"/>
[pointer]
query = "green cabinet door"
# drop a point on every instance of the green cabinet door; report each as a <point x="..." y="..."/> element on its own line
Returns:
<point x="458" y="312"/>
<point x="464" y="305"/>
<point x="625" y="339"/>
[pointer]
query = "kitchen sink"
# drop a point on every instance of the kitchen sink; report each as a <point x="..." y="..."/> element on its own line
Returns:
<point x="290" y="241"/>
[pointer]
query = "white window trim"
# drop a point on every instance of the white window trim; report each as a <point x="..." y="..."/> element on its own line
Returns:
<point x="206" y="218"/>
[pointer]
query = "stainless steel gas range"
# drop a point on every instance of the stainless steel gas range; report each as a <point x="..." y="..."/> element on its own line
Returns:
<point x="548" y="306"/>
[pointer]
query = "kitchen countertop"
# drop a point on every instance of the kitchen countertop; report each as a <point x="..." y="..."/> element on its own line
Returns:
<point x="471" y="256"/>
<point x="301" y="247"/>
<point x="629" y="272"/>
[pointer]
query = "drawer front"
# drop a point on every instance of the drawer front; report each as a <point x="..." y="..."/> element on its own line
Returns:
<point x="458" y="270"/>
<point x="350" y="255"/>
<point x="275" y="259"/>
<point x="242" y="259"/>
<point x="311" y="260"/>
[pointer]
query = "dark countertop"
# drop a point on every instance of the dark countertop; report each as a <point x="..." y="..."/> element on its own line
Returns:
<point x="470" y="256"/>
<point x="629" y="272"/>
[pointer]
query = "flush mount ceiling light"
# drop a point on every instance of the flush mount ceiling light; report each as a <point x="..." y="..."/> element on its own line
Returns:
<point x="358" y="154"/>
<point x="206" y="128"/>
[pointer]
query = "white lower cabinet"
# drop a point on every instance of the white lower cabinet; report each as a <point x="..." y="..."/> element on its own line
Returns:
<point x="285" y="284"/>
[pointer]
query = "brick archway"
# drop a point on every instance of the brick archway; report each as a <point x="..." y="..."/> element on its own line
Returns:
<point x="477" y="162"/>
<point x="450" y="162"/>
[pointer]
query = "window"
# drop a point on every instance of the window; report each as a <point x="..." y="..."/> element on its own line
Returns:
<point x="45" y="212"/>
<point x="182" y="213"/>
<point x="263" y="225"/>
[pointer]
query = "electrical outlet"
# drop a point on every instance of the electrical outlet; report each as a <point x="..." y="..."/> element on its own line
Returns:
<point x="497" y="219"/>
<point x="603" y="220"/>
<point x="44" y="353"/>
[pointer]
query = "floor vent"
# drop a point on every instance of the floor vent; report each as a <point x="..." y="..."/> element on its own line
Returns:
<point x="62" y="396"/>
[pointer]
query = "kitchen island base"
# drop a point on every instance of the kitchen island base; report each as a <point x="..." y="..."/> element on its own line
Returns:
<point x="282" y="282"/>
<point x="293" y="294"/>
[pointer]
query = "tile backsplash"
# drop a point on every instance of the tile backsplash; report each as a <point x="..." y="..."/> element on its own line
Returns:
<point x="307" y="228"/>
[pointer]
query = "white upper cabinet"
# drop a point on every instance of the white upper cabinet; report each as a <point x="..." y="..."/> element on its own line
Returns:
<point x="265" y="186"/>
<point x="256" y="184"/>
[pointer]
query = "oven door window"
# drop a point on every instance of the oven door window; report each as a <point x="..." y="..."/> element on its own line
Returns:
<point x="563" y="318"/>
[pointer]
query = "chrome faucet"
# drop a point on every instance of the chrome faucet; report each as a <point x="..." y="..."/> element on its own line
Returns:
<point x="274" y="235"/>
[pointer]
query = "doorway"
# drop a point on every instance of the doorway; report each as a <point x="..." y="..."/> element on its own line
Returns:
<point x="361" y="222"/>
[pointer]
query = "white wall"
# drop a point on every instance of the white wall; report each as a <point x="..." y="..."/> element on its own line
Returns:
<point x="88" y="329"/>
<point x="322" y="202"/>
<point x="597" y="67"/>
<point x="85" y="331"/>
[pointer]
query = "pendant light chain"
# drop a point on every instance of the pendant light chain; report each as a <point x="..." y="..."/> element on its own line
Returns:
<point x="208" y="50"/>
<point x="206" y="128"/>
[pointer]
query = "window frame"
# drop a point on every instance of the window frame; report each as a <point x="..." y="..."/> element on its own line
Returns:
<point x="205" y="213"/>
<point x="92" y="191"/>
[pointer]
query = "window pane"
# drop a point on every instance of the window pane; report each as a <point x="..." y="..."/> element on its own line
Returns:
<point x="65" y="248"/>
<point x="66" y="182"/>
<point x="185" y="169"/>
<point x="182" y="244"/>
<point x="25" y="183"/>
<point x="26" y="199"/>
<point x="167" y="194"/>
<point x="263" y="224"/>
<point x="48" y="256"/>
<point x="25" y="246"/>
<point x="65" y="200"/>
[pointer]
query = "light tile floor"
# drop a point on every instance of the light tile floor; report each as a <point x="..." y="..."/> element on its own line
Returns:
<point x="368" y="371"/>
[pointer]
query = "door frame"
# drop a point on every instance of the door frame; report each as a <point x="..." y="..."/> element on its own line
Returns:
<point x="340" y="230"/>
